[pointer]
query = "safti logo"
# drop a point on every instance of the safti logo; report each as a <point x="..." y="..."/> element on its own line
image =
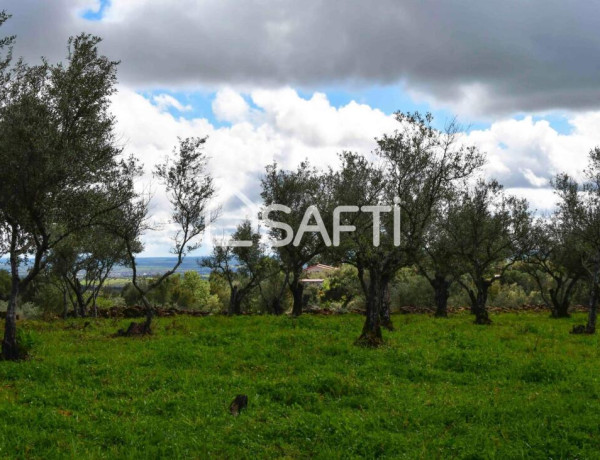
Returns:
<point x="313" y="215"/>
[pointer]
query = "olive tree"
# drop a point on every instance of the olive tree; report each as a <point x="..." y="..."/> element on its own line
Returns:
<point x="554" y="263"/>
<point x="62" y="169"/>
<point x="488" y="231"/>
<point x="414" y="169"/>
<point x="579" y="214"/>
<point x="297" y="190"/>
<point x="437" y="260"/>
<point x="83" y="262"/>
<point x="189" y="188"/>
<point x="244" y="267"/>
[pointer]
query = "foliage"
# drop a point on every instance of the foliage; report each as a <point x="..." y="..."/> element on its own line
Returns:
<point x="83" y="262"/>
<point x="189" y="188"/>
<point x="417" y="168"/>
<point x="489" y="232"/>
<point x="4" y="284"/>
<point x="578" y="216"/>
<point x="26" y="341"/>
<point x="188" y="291"/>
<point x="62" y="169"/>
<point x="195" y="292"/>
<point x="219" y="288"/>
<point x="408" y="288"/>
<point x="342" y="286"/>
<point x="243" y="267"/>
<point x="46" y="296"/>
<point x="297" y="190"/>
<point x="554" y="263"/>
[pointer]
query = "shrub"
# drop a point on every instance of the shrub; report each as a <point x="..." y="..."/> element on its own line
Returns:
<point x="410" y="288"/>
<point x="25" y="342"/>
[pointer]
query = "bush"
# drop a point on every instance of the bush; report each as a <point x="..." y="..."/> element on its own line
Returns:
<point x="46" y="299"/>
<point x="25" y="342"/>
<point x="189" y="291"/>
<point x="341" y="287"/>
<point x="194" y="292"/>
<point x="5" y="283"/>
<point x="410" y="288"/>
<point x="512" y="296"/>
<point x="220" y="289"/>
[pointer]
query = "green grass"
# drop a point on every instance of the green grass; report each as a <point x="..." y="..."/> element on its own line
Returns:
<point x="116" y="282"/>
<point x="521" y="388"/>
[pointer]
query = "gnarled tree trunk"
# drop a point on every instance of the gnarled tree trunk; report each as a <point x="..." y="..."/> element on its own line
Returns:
<point x="385" y="312"/>
<point x="479" y="307"/>
<point x="441" y="289"/>
<point x="235" y="301"/>
<point x="374" y="293"/>
<point x="297" y="289"/>
<point x="10" y="348"/>
<point x="590" y="327"/>
<point x="561" y="303"/>
<point x="560" y="308"/>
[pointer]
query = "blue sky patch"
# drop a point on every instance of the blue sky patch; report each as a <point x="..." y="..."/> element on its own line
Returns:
<point x="559" y="122"/>
<point x="388" y="99"/>
<point x="92" y="15"/>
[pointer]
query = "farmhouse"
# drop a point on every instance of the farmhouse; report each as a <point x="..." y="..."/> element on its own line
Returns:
<point x="315" y="274"/>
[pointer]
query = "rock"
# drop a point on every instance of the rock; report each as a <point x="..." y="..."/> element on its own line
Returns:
<point x="134" y="329"/>
<point x="238" y="404"/>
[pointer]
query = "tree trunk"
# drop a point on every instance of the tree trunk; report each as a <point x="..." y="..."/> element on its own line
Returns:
<point x="560" y="309"/>
<point x="94" y="305"/>
<point x="297" y="289"/>
<point x="590" y="327"/>
<point x="65" y="304"/>
<point x="480" y="304"/>
<point x="80" y="309"/>
<point x="371" y="333"/>
<point x="10" y="348"/>
<point x="276" y="308"/>
<point x="385" y="312"/>
<point x="441" y="288"/>
<point x="472" y="298"/>
<point x="235" y="302"/>
<point x="147" y="325"/>
<point x="560" y="304"/>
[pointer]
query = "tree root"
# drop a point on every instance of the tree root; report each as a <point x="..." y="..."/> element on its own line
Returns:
<point x="583" y="329"/>
<point x="134" y="330"/>
<point x="369" y="340"/>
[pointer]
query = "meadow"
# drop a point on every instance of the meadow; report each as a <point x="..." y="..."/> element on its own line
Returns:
<point x="440" y="388"/>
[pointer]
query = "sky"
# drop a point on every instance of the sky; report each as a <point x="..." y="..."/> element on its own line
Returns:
<point x="286" y="80"/>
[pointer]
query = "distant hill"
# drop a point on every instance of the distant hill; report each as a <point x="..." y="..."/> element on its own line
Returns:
<point x="147" y="266"/>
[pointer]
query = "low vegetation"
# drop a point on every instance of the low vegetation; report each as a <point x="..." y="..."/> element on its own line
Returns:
<point x="438" y="389"/>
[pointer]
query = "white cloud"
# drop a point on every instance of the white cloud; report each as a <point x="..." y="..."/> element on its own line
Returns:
<point x="519" y="150"/>
<point x="165" y="101"/>
<point x="523" y="154"/>
<point x="534" y="180"/>
<point x="230" y="106"/>
<point x="284" y="127"/>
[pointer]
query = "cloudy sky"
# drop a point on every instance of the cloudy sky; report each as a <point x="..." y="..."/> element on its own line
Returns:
<point x="288" y="80"/>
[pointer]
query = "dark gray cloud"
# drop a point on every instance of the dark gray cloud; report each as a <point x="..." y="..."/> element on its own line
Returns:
<point x="519" y="55"/>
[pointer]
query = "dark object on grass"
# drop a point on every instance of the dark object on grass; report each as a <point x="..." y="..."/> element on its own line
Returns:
<point x="239" y="403"/>
<point x="135" y="329"/>
<point x="582" y="329"/>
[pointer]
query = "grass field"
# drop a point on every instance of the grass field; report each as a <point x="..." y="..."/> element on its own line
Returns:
<point x="521" y="388"/>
